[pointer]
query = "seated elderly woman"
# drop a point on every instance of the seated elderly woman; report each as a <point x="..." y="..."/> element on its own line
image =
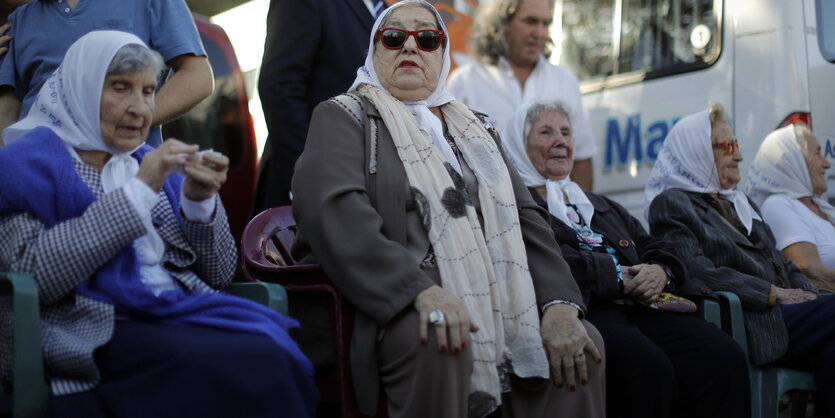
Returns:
<point x="718" y="231"/>
<point x="787" y="180"/>
<point x="404" y="198"/>
<point x="662" y="360"/>
<point x="128" y="256"/>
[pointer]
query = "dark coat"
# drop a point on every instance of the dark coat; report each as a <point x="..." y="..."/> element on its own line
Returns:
<point x="725" y="259"/>
<point x="595" y="271"/>
<point x="312" y="52"/>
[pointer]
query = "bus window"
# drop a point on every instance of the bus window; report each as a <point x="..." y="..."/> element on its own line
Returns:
<point x="602" y="38"/>
<point x="586" y="47"/>
<point x="826" y="28"/>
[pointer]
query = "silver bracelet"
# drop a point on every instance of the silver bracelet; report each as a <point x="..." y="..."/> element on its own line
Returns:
<point x="564" y="302"/>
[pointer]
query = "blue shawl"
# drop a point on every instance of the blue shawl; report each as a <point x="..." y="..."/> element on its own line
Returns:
<point x="37" y="176"/>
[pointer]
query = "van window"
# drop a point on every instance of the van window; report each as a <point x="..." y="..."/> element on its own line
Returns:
<point x="826" y="28"/>
<point x="602" y="38"/>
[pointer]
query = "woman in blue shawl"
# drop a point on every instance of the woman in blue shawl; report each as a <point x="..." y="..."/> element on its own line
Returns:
<point x="129" y="247"/>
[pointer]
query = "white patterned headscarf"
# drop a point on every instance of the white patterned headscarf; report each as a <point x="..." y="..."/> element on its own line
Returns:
<point x="780" y="168"/>
<point x="515" y="143"/>
<point x="420" y="108"/>
<point x="486" y="266"/>
<point x="685" y="161"/>
<point x="69" y="103"/>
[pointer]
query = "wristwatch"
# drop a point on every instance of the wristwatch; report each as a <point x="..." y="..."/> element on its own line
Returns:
<point x="667" y="271"/>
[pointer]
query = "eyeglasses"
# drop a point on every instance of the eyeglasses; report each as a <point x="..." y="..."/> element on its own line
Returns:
<point x="426" y="39"/>
<point x="729" y="147"/>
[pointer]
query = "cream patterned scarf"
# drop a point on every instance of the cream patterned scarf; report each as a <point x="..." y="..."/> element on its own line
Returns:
<point x="487" y="269"/>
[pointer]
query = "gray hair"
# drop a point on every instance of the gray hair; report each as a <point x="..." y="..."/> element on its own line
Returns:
<point x="488" y="40"/>
<point x="802" y="134"/>
<point x="425" y="5"/>
<point x="538" y="109"/>
<point x="716" y="114"/>
<point x="134" y="58"/>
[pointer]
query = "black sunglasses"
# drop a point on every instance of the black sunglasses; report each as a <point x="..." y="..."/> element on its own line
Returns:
<point x="426" y="39"/>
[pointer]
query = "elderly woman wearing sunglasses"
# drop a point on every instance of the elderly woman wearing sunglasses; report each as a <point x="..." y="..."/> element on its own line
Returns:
<point x="719" y="232"/>
<point x="404" y="197"/>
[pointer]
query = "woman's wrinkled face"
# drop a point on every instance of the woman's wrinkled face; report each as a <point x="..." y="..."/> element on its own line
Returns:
<point x="727" y="166"/>
<point x="127" y="107"/>
<point x="816" y="163"/>
<point x="550" y="146"/>
<point x="409" y="73"/>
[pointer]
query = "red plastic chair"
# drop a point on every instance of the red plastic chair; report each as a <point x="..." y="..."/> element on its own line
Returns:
<point x="265" y="245"/>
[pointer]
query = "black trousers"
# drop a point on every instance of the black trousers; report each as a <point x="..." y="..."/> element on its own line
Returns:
<point x="669" y="365"/>
<point x="812" y="346"/>
<point x="157" y="370"/>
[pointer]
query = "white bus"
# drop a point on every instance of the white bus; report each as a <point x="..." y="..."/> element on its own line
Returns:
<point x="643" y="64"/>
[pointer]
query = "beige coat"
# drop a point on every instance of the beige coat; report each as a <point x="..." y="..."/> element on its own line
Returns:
<point x="358" y="216"/>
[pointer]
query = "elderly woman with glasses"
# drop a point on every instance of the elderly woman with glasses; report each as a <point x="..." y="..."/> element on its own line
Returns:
<point x="787" y="180"/>
<point x="129" y="256"/>
<point x="691" y="201"/>
<point x="662" y="359"/>
<point x="403" y="196"/>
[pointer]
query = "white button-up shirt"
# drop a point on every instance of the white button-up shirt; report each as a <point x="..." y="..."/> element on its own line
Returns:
<point x="494" y="90"/>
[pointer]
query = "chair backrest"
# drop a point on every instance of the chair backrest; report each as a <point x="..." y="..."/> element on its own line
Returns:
<point x="768" y="383"/>
<point x="265" y="245"/>
<point x="267" y="238"/>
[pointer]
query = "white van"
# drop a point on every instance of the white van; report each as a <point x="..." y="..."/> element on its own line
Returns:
<point x="643" y="64"/>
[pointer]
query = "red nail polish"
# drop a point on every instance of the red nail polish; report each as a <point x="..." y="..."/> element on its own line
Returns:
<point x="583" y="381"/>
<point x="573" y="388"/>
<point x="559" y="385"/>
<point x="423" y="340"/>
<point x="600" y="360"/>
<point x="463" y="344"/>
<point x="456" y="350"/>
<point x="443" y="348"/>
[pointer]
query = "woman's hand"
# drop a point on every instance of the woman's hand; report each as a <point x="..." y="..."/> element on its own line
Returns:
<point x="644" y="282"/>
<point x="4" y="40"/>
<point x="566" y="342"/>
<point x="456" y="325"/>
<point x="792" y="296"/>
<point x="157" y="165"/>
<point x="205" y="175"/>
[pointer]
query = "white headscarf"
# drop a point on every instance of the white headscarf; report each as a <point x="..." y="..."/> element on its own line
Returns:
<point x="482" y="263"/>
<point x="686" y="162"/>
<point x="420" y="108"/>
<point x="780" y="168"/>
<point x="69" y="103"/>
<point x="515" y="145"/>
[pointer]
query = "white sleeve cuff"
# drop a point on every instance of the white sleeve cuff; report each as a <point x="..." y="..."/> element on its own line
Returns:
<point x="198" y="211"/>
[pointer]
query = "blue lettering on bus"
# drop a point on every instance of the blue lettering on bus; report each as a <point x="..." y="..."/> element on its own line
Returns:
<point x="623" y="145"/>
<point x="828" y="152"/>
